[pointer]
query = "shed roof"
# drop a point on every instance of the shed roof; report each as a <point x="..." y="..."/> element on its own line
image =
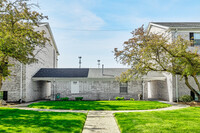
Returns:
<point x="106" y="72"/>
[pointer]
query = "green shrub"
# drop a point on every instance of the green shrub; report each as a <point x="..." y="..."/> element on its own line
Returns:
<point x="64" y="99"/>
<point x="185" y="98"/>
<point x="119" y="98"/>
<point x="132" y="99"/>
<point x="79" y="98"/>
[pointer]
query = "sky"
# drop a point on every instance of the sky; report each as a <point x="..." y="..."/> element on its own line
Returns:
<point x="93" y="28"/>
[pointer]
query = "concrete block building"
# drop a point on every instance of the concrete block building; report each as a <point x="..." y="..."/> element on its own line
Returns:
<point x="172" y="87"/>
<point x="89" y="83"/>
<point x="20" y="84"/>
<point x="43" y="80"/>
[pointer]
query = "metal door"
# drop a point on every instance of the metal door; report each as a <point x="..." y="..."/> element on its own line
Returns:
<point x="74" y="86"/>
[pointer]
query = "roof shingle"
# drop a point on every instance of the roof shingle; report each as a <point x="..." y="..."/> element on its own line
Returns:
<point x="62" y="73"/>
<point x="179" y="24"/>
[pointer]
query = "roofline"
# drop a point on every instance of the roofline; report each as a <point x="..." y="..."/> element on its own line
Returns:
<point x="51" y="33"/>
<point x="157" y="25"/>
<point x="154" y="78"/>
<point x="69" y="78"/>
<point x="184" y="28"/>
<point x="168" y="27"/>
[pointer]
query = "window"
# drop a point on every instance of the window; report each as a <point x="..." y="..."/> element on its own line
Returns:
<point x="1" y="95"/>
<point x="123" y="87"/>
<point x="4" y="95"/>
<point x="195" y="37"/>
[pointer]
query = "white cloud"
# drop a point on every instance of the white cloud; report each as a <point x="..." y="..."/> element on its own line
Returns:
<point x="73" y="15"/>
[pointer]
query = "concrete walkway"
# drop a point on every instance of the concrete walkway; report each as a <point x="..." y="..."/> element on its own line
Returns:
<point x="101" y="121"/>
<point x="104" y="121"/>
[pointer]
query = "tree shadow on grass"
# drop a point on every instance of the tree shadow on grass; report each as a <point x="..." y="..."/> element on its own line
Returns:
<point x="99" y="105"/>
<point x="14" y="120"/>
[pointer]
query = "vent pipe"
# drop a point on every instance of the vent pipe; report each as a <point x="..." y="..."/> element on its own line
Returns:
<point x="102" y="69"/>
<point x="80" y="61"/>
<point x="98" y="63"/>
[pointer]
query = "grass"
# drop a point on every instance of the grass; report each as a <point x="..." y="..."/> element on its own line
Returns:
<point x="25" y="121"/>
<point x="99" y="105"/>
<point x="177" y="121"/>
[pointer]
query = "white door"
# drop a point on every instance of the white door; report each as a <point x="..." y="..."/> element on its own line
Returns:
<point x="74" y="86"/>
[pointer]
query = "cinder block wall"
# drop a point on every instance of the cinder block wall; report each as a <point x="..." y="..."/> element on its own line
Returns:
<point x="12" y="83"/>
<point x="46" y="59"/>
<point x="97" y="89"/>
<point x="31" y="90"/>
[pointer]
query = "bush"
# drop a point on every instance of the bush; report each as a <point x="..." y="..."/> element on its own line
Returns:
<point x="79" y="98"/>
<point x="132" y="99"/>
<point x="119" y="98"/>
<point x="64" y="99"/>
<point x="185" y="98"/>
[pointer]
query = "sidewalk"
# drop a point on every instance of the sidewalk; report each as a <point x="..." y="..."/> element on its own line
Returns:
<point x="100" y="122"/>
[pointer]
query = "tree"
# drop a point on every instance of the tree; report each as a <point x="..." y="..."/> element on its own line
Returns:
<point x="18" y="37"/>
<point x="153" y="52"/>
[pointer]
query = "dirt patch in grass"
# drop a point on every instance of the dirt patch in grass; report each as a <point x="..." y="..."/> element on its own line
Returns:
<point x="193" y="103"/>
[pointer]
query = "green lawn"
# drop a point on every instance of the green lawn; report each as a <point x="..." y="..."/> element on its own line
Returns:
<point x="100" y="105"/>
<point x="14" y="120"/>
<point x="177" y="121"/>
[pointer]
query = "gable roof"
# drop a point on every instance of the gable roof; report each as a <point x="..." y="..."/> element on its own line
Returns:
<point x="51" y="34"/>
<point x="62" y="73"/>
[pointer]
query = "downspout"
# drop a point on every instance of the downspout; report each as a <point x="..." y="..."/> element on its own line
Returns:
<point x="102" y="69"/>
<point x="177" y="88"/>
<point x="177" y="95"/>
<point x="21" y="84"/>
<point x="143" y="89"/>
<point x="105" y="74"/>
<point x="54" y="98"/>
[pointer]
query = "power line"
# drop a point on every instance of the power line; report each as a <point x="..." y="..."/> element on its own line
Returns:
<point x="95" y="30"/>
